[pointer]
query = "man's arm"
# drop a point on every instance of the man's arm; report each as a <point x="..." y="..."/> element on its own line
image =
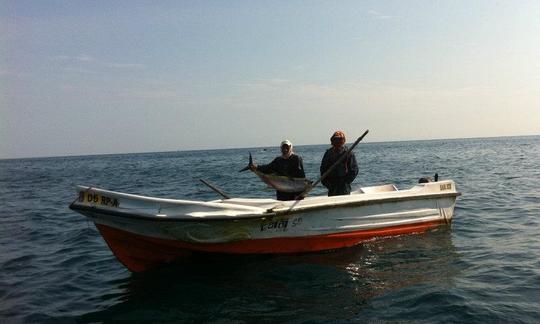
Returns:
<point x="323" y="168"/>
<point x="353" y="168"/>
<point x="267" y="168"/>
<point x="299" y="172"/>
<point x="324" y="163"/>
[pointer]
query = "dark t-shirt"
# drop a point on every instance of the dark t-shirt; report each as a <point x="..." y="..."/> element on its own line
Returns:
<point x="291" y="167"/>
<point x="345" y="172"/>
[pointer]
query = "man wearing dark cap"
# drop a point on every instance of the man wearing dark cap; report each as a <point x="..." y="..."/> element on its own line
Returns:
<point x="288" y="164"/>
<point x="339" y="180"/>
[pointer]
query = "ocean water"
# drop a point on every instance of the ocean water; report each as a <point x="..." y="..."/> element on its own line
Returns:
<point x="54" y="266"/>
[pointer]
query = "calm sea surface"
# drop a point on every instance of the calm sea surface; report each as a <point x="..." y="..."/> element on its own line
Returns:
<point x="54" y="265"/>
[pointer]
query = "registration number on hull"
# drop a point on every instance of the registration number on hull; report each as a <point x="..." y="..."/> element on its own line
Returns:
<point x="97" y="199"/>
<point x="280" y="225"/>
<point x="446" y="186"/>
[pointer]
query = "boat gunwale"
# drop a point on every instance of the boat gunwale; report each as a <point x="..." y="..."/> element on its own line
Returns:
<point x="274" y="213"/>
<point x="156" y="200"/>
<point x="299" y="209"/>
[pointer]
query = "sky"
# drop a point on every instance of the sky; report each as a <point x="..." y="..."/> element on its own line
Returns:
<point x="100" y="77"/>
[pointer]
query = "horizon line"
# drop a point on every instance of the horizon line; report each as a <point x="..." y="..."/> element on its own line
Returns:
<point x="252" y="147"/>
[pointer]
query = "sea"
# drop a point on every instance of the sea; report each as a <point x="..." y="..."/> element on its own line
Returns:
<point x="484" y="268"/>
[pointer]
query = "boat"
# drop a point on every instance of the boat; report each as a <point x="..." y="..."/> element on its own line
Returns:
<point x="147" y="232"/>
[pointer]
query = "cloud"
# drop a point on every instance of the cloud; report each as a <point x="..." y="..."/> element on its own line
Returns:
<point x="79" y="70"/>
<point x="11" y="73"/>
<point x="124" y="65"/>
<point x="161" y="94"/>
<point x="350" y="94"/>
<point x="89" y="61"/>
<point x="85" y="58"/>
<point x="378" y="15"/>
<point x="156" y="91"/>
<point x="5" y="72"/>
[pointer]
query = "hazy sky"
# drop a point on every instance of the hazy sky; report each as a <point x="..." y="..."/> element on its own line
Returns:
<point x="91" y="77"/>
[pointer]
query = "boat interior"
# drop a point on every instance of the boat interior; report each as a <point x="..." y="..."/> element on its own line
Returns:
<point x="375" y="189"/>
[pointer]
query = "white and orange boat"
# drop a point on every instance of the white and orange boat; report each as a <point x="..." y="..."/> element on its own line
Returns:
<point x="145" y="232"/>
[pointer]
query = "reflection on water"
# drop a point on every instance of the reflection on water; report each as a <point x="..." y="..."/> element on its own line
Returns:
<point x="277" y="288"/>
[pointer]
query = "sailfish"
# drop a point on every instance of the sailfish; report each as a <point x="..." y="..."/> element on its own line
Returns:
<point x="278" y="182"/>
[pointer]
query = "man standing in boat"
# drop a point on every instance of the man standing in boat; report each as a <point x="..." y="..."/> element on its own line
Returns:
<point x="288" y="165"/>
<point x="339" y="180"/>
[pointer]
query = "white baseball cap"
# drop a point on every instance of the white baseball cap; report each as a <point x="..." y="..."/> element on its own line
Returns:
<point x="286" y="142"/>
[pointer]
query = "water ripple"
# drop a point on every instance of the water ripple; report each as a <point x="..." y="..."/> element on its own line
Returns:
<point x="485" y="268"/>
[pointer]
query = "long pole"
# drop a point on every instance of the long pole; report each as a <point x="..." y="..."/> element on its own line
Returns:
<point x="215" y="188"/>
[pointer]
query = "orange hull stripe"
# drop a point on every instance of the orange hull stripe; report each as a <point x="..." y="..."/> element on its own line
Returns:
<point x="139" y="253"/>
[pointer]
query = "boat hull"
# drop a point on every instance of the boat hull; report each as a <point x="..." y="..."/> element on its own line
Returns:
<point x="144" y="232"/>
<point x="141" y="253"/>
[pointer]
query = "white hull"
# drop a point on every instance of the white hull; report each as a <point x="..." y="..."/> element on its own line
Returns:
<point x="263" y="225"/>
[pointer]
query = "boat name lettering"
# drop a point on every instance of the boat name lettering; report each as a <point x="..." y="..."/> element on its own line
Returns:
<point x="98" y="199"/>
<point x="296" y="221"/>
<point x="275" y="225"/>
<point x="446" y="186"/>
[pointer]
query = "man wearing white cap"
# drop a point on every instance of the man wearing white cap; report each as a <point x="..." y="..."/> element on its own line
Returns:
<point x="288" y="164"/>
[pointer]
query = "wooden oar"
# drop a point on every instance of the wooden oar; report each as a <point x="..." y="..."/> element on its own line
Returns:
<point x="322" y="177"/>
<point x="215" y="188"/>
